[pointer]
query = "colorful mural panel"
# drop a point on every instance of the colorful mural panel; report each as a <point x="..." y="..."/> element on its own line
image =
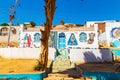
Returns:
<point x="72" y="40"/>
<point x="30" y="39"/>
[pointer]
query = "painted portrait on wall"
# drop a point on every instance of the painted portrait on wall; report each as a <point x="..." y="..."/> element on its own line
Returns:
<point x="51" y="39"/>
<point x="83" y="37"/>
<point x="115" y="33"/>
<point x="72" y="40"/>
<point x="36" y="38"/>
<point x="62" y="40"/>
<point x="91" y="38"/>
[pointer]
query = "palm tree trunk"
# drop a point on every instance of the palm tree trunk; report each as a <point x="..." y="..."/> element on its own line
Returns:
<point x="49" y="13"/>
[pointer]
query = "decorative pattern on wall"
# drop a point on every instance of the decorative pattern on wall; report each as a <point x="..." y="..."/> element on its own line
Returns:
<point x="115" y="33"/>
<point x="72" y="40"/>
<point x="62" y="40"/>
<point x="83" y="37"/>
<point x="91" y="38"/>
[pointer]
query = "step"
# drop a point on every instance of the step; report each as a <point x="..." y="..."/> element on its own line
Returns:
<point x="69" y="78"/>
<point x="77" y="79"/>
<point x="53" y="78"/>
<point x="57" y="75"/>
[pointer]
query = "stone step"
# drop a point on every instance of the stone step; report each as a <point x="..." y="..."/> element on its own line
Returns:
<point x="77" y="79"/>
<point x="57" y="75"/>
<point x="69" y="78"/>
<point x="89" y="79"/>
<point x="53" y="78"/>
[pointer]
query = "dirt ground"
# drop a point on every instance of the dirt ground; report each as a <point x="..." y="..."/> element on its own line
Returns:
<point x="17" y="65"/>
<point x="27" y="66"/>
<point x="98" y="67"/>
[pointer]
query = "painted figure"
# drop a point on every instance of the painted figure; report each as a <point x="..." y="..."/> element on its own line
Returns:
<point x="115" y="33"/>
<point x="72" y="40"/>
<point x="37" y="40"/>
<point x="91" y="38"/>
<point x="29" y="40"/>
<point x="50" y="41"/>
<point x="26" y="39"/>
<point x="83" y="37"/>
<point x="37" y="37"/>
<point x="62" y="40"/>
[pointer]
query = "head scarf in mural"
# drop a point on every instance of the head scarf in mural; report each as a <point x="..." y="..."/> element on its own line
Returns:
<point x="72" y="40"/>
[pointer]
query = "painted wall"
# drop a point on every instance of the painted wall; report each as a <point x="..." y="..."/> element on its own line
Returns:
<point x="61" y="39"/>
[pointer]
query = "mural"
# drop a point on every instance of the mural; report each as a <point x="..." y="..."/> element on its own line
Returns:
<point x="62" y="40"/>
<point x="58" y="39"/>
<point x="52" y="39"/>
<point x="115" y="33"/>
<point x="37" y="37"/>
<point x="72" y="40"/>
<point x="26" y="40"/>
<point x="83" y="37"/>
<point x="91" y="38"/>
<point x="29" y="39"/>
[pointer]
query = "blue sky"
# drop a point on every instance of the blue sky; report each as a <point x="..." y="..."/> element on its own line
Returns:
<point x="71" y="11"/>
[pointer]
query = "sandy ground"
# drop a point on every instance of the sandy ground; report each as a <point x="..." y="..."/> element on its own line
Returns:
<point x="27" y="66"/>
<point x="17" y="65"/>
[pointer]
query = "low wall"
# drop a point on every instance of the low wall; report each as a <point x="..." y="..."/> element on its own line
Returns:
<point x="91" y="55"/>
<point x="80" y="55"/>
<point x="24" y="53"/>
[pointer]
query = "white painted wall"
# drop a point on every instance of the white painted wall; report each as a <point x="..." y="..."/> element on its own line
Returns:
<point x="24" y="53"/>
<point x="90" y="55"/>
<point x="79" y="55"/>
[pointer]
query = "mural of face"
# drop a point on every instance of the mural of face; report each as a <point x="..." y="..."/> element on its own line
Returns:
<point x="91" y="38"/>
<point x="83" y="37"/>
<point x="115" y="33"/>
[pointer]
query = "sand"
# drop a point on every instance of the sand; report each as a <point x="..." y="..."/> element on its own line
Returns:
<point x="17" y="65"/>
<point x="27" y="66"/>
